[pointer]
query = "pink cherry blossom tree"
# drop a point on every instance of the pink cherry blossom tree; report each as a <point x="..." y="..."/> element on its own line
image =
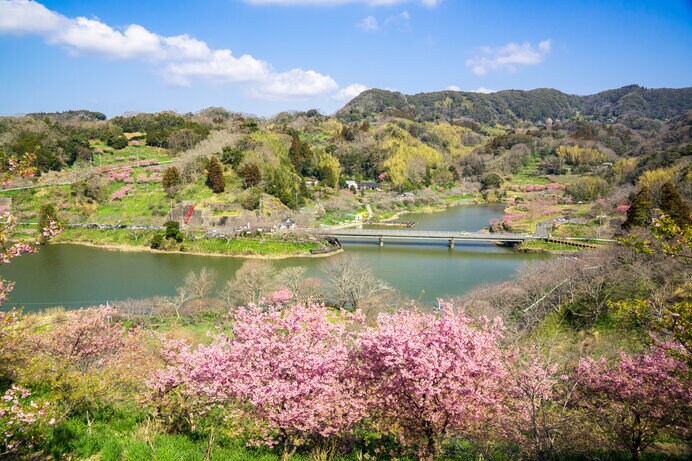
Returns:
<point x="284" y="368"/>
<point x="90" y="359"/>
<point x="426" y="376"/>
<point x="539" y="413"/>
<point x="637" y="398"/>
<point x="84" y="337"/>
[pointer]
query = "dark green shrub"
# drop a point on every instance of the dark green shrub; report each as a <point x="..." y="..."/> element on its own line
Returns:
<point x="156" y="241"/>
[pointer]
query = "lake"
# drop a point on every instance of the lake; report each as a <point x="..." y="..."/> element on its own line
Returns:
<point x="75" y="276"/>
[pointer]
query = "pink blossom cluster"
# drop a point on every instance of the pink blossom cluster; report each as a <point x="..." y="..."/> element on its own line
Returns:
<point x="121" y="174"/>
<point x="432" y="375"/>
<point x="508" y="219"/>
<point x="148" y="162"/>
<point x="152" y="178"/>
<point x="281" y="296"/>
<point x="622" y="208"/>
<point x="18" y="416"/>
<point x="87" y="336"/>
<point x="51" y="230"/>
<point x="22" y="167"/>
<point x="9" y="250"/>
<point x="636" y="398"/>
<point x="287" y="364"/>
<point x="536" y="187"/>
<point x="298" y="374"/>
<point x="121" y="193"/>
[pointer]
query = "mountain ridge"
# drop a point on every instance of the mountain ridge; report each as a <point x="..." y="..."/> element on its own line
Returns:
<point x="510" y="107"/>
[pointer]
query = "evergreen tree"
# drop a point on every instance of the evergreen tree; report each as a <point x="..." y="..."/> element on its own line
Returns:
<point x="171" y="179"/>
<point x="215" y="179"/>
<point x="295" y="152"/>
<point x="305" y="156"/>
<point x="674" y="206"/>
<point x="173" y="231"/>
<point x="638" y="213"/>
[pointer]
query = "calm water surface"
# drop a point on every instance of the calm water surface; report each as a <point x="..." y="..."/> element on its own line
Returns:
<point x="74" y="275"/>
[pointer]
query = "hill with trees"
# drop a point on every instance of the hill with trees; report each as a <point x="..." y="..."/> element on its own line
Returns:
<point x="511" y="107"/>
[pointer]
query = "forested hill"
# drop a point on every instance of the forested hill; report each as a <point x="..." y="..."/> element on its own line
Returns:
<point x="629" y="104"/>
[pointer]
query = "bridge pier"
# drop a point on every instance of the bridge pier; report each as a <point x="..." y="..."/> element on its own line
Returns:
<point x="451" y="242"/>
<point x="381" y="241"/>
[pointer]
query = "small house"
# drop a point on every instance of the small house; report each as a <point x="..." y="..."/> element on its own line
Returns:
<point x="287" y="224"/>
<point x="369" y="185"/>
<point x="351" y="184"/>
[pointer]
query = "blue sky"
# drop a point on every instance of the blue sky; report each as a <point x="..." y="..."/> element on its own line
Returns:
<point x="265" y="56"/>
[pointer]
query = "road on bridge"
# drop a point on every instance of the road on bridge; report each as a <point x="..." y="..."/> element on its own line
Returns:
<point x="419" y="234"/>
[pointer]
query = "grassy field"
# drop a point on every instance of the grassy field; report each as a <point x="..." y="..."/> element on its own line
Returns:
<point x="543" y="246"/>
<point x="246" y="246"/>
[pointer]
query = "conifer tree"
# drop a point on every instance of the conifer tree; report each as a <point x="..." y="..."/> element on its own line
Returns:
<point x="171" y="179"/>
<point x="215" y="179"/>
<point x="674" y="206"/>
<point x="305" y="156"/>
<point x="295" y="152"/>
<point x="638" y="213"/>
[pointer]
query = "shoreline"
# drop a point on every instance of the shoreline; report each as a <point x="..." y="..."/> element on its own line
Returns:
<point x="145" y="249"/>
<point x="430" y="209"/>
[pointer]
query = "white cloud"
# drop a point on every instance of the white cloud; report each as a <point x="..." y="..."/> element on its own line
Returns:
<point x="368" y="24"/>
<point x="350" y="92"/>
<point x="508" y="57"/>
<point x="453" y="88"/>
<point x="24" y="17"/>
<point x="402" y="20"/>
<point x="182" y="58"/>
<point x="89" y="36"/>
<point x="298" y="83"/>
<point x="483" y="90"/>
<point x="427" y="3"/>
<point x="222" y="66"/>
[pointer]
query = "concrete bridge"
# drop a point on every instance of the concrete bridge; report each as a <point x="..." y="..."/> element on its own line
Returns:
<point x="409" y="234"/>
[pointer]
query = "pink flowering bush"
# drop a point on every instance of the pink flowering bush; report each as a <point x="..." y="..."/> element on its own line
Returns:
<point x="120" y="174"/>
<point x="282" y="371"/>
<point x="84" y="337"/>
<point x="281" y="296"/>
<point x="429" y="376"/>
<point x="88" y="358"/>
<point x="637" y="398"/>
<point x="146" y="179"/>
<point x="21" y="419"/>
<point x="538" y="412"/>
<point x="121" y="193"/>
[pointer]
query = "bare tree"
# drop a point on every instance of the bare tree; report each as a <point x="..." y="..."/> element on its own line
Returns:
<point x="291" y="277"/>
<point x="200" y="285"/>
<point x="251" y="282"/>
<point x="351" y="280"/>
<point x="195" y="286"/>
